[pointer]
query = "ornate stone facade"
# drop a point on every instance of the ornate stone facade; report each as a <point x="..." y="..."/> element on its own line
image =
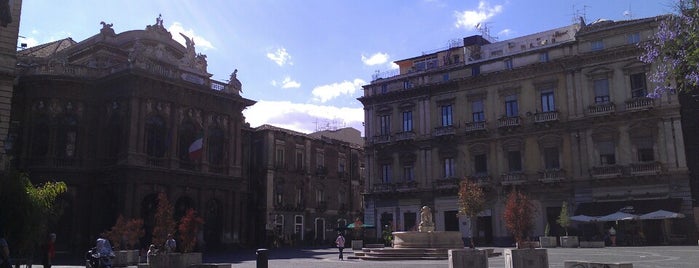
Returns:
<point x="9" y="33"/>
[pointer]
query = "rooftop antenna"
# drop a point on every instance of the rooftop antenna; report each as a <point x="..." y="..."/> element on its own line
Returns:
<point x="628" y="14"/>
<point x="577" y="13"/>
<point x="485" y="32"/>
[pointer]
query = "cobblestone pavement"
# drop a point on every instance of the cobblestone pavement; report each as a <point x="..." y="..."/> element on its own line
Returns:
<point x="640" y="257"/>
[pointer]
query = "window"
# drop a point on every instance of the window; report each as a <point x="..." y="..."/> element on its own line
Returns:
<point x="449" y="167"/>
<point x="40" y="137"/>
<point x="155" y="137"/>
<point x="551" y="158"/>
<point x="480" y="164"/>
<point x="385" y="125"/>
<point x="66" y="137"/>
<point x="406" y="84"/>
<point x="475" y="70"/>
<point x="511" y="107"/>
<point x="299" y="197"/>
<point x="386" y="173"/>
<point x="384" y="89"/>
<point x="279" y="157"/>
<point x="601" y="90"/>
<point x="279" y="194"/>
<point x="544" y="57"/>
<point x="320" y="195"/>
<point x="341" y="165"/>
<point x="408" y="174"/>
<point x="320" y="159"/>
<point x="496" y="53"/>
<point x="514" y="161"/>
<point x="597" y="45"/>
<point x="215" y="146"/>
<point x="299" y="160"/>
<point x="606" y="153"/>
<point x="547" y="101"/>
<point x="477" y="113"/>
<point x="645" y="150"/>
<point x="407" y="121"/>
<point x="638" y="85"/>
<point x="447" y="119"/>
<point x="634" y="38"/>
<point x="445" y="77"/>
<point x="508" y="64"/>
<point x="298" y="225"/>
<point x="115" y="131"/>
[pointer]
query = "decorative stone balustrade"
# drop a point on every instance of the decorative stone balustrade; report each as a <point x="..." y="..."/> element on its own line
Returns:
<point x="602" y="108"/>
<point x="475" y="126"/>
<point x="513" y="178"/>
<point x="546" y="117"/>
<point x="404" y="136"/>
<point x="641" y="169"/>
<point x="509" y="121"/>
<point x="637" y="104"/>
<point x="605" y="172"/>
<point x="552" y="175"/>
<point x="446" y="183"/>
<point x="381" y="139"/>
<point x="443" y="131"/>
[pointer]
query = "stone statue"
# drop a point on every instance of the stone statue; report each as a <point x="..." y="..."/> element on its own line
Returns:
<point x="426" y="223"/>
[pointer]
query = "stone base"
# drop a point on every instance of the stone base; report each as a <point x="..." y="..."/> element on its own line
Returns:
<point x="441" y="239"/>
<point x="471" y="258"/>
<point x="569" y="242"/>
<point x="585" y="264"/>
<point x="526" y="258"/>
<point x="357" y="244"/>
<point x="591" y="244"/>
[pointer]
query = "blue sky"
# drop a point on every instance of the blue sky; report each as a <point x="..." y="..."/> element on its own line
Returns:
<point x="305" y="61"/>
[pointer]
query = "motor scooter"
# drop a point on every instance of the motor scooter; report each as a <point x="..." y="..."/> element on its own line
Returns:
<point x="94" y="259"/>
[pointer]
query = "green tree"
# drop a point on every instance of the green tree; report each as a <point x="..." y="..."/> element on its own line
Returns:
<point x="27" y="209"/>
<point x="563" y="218"/>
<point x="471" y="202"/>
<point x="518" y="215"/>
<point x="164" y="222"/>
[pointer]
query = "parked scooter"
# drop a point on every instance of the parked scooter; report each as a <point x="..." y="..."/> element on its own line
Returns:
<point x="100" y="256"/>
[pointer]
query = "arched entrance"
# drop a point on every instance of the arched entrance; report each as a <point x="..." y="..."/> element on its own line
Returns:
<point x="182" y="205"/>
<point x="320" y="230"/>
<point x="213" y="223"/>
<point x="149" y="205"/>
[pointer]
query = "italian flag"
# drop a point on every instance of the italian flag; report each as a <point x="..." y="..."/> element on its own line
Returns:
<point x="196" y="149"/>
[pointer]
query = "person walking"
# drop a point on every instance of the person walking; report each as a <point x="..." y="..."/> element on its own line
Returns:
<point x="170" y="244"/>
<point x="340" y="242"/>
<point x="49" y="250"/>
<point x="612" y="235"/>
<point x="4" y="251"/>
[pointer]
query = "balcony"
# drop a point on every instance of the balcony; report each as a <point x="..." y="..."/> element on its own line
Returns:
<point x="481" y="179"/>
<point x="546" y="117"/>
<point x="406" y="186"/>
<point x="552" y="175"/>
<point x="383" y="187"/>
<point x="513" y="178"/>
<point x="475" y="126"/>
<point x="157" y="161"/>
<point x="511" y="121"/>
<point x="381" y="139"/>
<point x="606" y="172"/>
<point x="601" y="108"/>
<point x="405" y="136"/>
<point x="446" y="183"/>
<point x="444" y="131"/>
<point x="639" y="104"/>
<point x="321" y="171"/>
<point x="645" y="169"/>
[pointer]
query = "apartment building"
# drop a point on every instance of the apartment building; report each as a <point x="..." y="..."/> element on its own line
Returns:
<point x="308" y="185"/>
<point x="9" y="34"/>
<point x="561" y="115"/>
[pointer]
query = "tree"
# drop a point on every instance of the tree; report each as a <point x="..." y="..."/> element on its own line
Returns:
<point x="518" y="215"/>
<point x="563" y="218"/>
<point x="471" y="202"/>
<point x="125" y="233"/>
<point x="164" y="222"/>
<point x="25" y="203"/>
<point x="675" y="51"/>
<point x="358" y="228"/>
<point x="188" y="229"/>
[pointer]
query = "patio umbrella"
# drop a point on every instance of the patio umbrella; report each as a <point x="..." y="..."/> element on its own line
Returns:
<point x="583" y="218"/>
<point x="660" y="215"/>
<point x="364" y="225"/>
<point x="618" y="216"/>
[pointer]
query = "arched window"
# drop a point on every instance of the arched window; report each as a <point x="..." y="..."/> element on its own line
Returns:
<point x="215" y="147"/>
<point x="187" y="138"/>
<point x="40" y="137"/>
<point x="66" y="137"/>
<point x="155" y="136"/>
<point x="114" y="129"/>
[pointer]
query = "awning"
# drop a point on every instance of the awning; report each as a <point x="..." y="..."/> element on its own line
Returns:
<point x="660" y="215"/>
<point x="639" y="206"/>
<point x="351" y="225"/>
<point x="618" y="216"/>
<point x="583" y="218"/>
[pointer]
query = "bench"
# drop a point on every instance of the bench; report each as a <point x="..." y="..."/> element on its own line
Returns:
<point x="588" y="264"/>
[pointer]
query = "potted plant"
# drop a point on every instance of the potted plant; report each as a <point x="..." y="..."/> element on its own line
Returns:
<point x="471" y="202"/>
<point x="358" y="234"/>
<point x="564" y="221"/>
<point x="547" y="241"/>
<point x="124" y="237"/>
<point x="518" y="220"/>
<point x="188" y="230"/>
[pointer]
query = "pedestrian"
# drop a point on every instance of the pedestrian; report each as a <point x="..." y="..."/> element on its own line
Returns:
<point x="4" y="251"/>
<point x="170" y="244"/>
<point x="340" y="242"/>
<point x="612" y="235"/>
<point x="152" y="251"/>
<point x="49" y="250"/>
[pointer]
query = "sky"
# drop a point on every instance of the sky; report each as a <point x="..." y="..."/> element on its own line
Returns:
<point x="305" y="61"/>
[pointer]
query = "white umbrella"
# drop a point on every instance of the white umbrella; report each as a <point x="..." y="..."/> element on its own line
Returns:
<point x="618" y="216"/>
<point x="660" y="215"/>
<point x="583" y="218"/>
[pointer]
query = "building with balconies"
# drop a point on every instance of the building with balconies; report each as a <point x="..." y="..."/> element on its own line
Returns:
<point x="308" y="185"/>
<point x="561" y="115"/>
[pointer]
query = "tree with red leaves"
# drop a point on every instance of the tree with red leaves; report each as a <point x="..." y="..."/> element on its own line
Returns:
<point x="518" y="215"/>
<point x="125" y="233"/>
<point x="164" y="222"/>
<point x="471" y="202"/>
<point x="188" y="229"/>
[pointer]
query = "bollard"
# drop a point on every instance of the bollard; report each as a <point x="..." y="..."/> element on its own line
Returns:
<point x="262" y="258"/>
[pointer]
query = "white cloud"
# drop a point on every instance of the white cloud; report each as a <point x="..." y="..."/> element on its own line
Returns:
<point x="280" y="57"/>
<point x="376" y="59"/>
<point x="301" y="117"/>
<point x="506" y="32"/>
<point x="30" y="41"/>
<point x="288" y="83"/>
<point x="199" y="42"/>
<point x="394" y="66"/>
<point x="325" y="93"/>
<point x="472" y="18"/>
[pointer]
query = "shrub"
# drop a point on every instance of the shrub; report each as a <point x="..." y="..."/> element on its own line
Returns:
<point x="164" y="223"/>
<point x="471" y="202"/>
<point x="188" y="229"/>
<point x="518" y="215"/>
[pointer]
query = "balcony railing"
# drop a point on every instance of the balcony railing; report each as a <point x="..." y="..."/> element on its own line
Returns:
<point x="381" y="139"/>
<point x="513" y="178"/>
<point x="384" y="187"/>
<point x="406" y="135"/>
<point x="475" y="126"/>
<point x="642" y="169"/>
<point x="637" y="104"/>
<point x="157" y="161"/>
<point x="406" y="186"/>
<point x="606" y="172"/>
<point x="446" y="183"/>
<point x="444" y="130"/>
<point x="511" y="121"/>
<point x="552" y="175"/>
<point x="481" y="179"/>
<point x="546" y="117"/>
<point x="601" y="108"/>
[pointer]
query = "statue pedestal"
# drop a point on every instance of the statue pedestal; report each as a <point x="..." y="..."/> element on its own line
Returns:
<point x="440" y="239"/>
